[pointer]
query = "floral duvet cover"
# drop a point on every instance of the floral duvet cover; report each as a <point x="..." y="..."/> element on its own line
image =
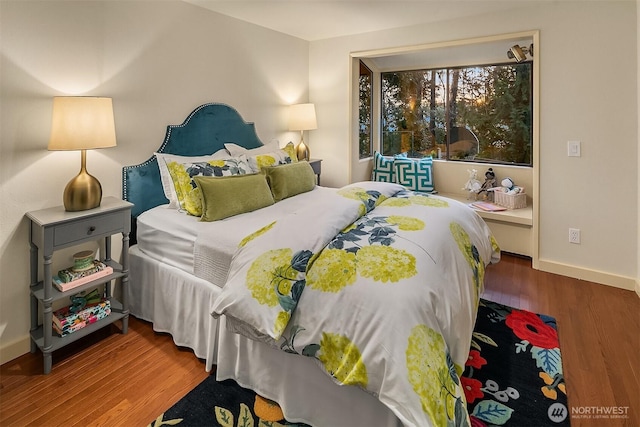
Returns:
<point x="379" y="285"/>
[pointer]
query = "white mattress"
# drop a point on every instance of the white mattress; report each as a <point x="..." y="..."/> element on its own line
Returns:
<point x="171" y="236"/>
<point x="168" y="235"/>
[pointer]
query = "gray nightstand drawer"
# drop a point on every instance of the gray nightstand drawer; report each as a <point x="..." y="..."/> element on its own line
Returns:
<point x="97" y="226"/>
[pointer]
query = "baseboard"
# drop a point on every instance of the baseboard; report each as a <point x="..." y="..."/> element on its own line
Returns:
<point x="595" y="276"/>
<point x="638" y="287"/>
<point x="14" y="349"/>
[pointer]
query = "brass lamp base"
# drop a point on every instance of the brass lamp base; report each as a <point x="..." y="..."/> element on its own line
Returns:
<point x="302" y="151"/>
<point x="83" y="191"/>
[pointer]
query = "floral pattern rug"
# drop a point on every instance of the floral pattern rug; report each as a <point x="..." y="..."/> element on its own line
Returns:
<point x="223" y="403"/>
<point x="513" y="377"/>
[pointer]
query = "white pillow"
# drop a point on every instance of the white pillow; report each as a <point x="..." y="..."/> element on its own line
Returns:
<point x="165" y="176"/>
<point x="276" y="157"/>
<point x="236" y="150"/>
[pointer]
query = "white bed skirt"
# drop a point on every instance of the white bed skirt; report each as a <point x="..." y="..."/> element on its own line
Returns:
<point x="179" y="303"/>
<point x="175" y="302"/>
<point x="303" y="391"/>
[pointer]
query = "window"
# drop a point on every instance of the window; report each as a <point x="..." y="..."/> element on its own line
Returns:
<point x="477" y="113"/>
<point x="364" y="111"/>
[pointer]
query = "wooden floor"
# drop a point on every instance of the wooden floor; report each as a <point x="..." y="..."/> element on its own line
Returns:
<point x="128" y="380"/>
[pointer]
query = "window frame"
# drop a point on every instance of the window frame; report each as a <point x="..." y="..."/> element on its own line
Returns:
<point x="460" y="48"/>
<point x="447" y="70"/>
<point x="371" y="112"/>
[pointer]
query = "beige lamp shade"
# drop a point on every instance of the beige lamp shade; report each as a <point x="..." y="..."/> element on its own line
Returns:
<point x="302" y="117"/>
<point x="82" y="123"/>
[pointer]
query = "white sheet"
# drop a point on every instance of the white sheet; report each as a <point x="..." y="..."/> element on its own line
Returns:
<point x="218" y="241"/>
<point x="172" y="237"/>
<point x="168" y="235"/>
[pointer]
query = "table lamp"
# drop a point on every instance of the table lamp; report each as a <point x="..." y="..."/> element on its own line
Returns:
<point x="302" y="117"/>
<point x="82" y="123"/>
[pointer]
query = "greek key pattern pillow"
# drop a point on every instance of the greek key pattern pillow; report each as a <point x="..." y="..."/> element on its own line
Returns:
<point x="382" y="168"/>
<point x="414" y="174"/>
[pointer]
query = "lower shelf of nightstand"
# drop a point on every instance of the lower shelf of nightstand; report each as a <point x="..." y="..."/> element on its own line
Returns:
<point x="37" y="335"/>
<point x="38" y="290"/>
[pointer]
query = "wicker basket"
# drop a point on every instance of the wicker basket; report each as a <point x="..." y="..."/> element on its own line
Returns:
<point x="510" y="201"/>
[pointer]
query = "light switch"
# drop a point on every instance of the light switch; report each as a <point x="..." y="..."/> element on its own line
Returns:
<point x="573" y="148"/>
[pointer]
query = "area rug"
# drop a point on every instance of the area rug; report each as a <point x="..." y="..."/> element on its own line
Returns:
<point x="513" y="377"/>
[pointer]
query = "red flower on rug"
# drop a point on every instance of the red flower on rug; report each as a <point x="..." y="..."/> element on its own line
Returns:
<point x="475" y="360"/>
<point x="528" y="326"/>
<point x="471" y="389"/>
<point x="475" y="422"/>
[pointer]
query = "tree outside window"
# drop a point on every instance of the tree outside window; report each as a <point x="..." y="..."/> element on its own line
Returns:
<point x="365" y="111"/>
<point x="478" y="113"/>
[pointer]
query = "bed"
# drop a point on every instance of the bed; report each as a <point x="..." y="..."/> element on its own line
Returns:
<point x="369" y="323"/>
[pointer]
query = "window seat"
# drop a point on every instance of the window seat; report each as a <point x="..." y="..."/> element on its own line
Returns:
<point x="522" y="216"/>
<point x="513" y="229"/>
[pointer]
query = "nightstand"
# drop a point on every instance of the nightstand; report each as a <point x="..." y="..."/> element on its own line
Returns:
<point x="53" y="229"/>
<point x="316" y="165"/>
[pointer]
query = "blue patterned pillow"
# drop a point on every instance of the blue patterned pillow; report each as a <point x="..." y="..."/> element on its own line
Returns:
<point x="414" y="174"/>
<point x="383" y="170"/>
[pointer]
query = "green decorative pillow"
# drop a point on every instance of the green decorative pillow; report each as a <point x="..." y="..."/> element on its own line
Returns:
<point x="183" y="174"/>
<point x="289" y="180"/>
<point x="232" y="195"/>
<point x="281" y="156"/>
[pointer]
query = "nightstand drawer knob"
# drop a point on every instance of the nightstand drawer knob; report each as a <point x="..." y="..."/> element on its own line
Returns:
<point x="91" y="229"/>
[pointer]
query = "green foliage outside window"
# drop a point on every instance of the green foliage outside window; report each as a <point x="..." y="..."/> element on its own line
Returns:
<point x="365" y="111"/>
<point x="480" y="113"/>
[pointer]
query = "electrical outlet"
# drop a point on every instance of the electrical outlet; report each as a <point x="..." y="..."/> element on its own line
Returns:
<point x="574" y="235"/>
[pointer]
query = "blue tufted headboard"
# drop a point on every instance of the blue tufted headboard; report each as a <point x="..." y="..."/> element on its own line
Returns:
<point x="203" y="132"/>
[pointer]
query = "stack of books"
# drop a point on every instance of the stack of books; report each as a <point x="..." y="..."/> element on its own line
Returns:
<point x="488" y="206"/>
<point x="70" y="319"/>
<point x="70" y="278"/>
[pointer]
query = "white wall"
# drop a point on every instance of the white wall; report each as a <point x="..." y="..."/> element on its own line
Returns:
<point x="638" y="123"/>
<point x="588" y="91"/>
<point x="158" y="61"/>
